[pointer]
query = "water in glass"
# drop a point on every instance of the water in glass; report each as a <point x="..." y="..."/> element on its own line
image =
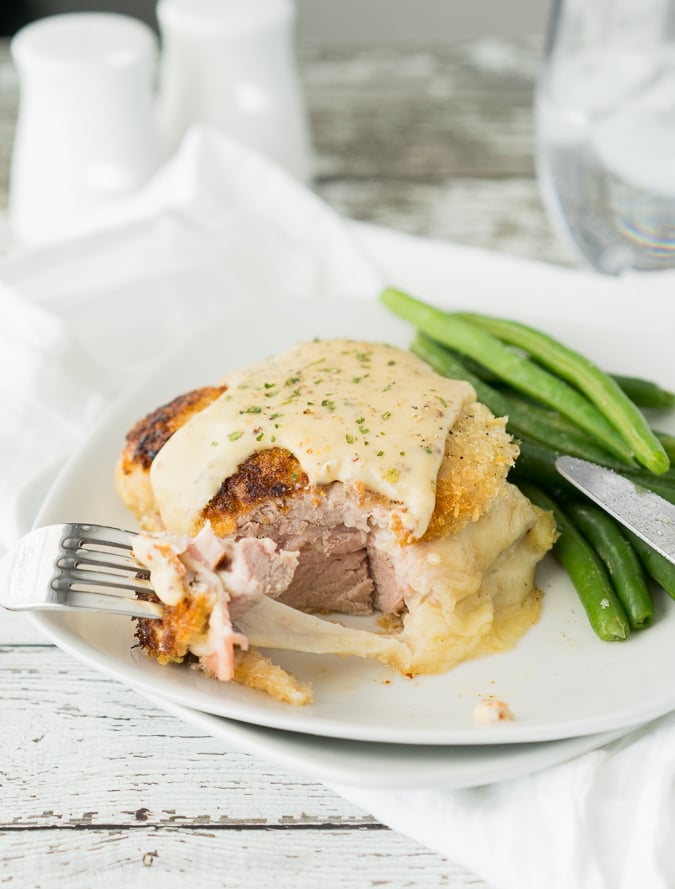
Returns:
<point x="606" y="133"/>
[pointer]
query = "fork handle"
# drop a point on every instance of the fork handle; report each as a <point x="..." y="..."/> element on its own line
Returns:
<point x="28" y="567"/>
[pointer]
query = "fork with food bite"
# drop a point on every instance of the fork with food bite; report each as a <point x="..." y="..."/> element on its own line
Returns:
<point x="76" y="567"/>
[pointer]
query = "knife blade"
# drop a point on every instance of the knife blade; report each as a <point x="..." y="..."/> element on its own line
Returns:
<point x="646" y="514"/>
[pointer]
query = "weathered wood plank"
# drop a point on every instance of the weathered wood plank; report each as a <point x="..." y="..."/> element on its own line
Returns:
<point x="94" y="780"/>
<point x="78" y="748"/>
<point x="9" y="100"/>
<point x="422" y="115"/>
<point x="229" y="859"/>
<point x="504" y="215"/>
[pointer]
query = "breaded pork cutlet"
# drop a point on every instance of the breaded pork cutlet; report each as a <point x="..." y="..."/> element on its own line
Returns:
<point x="389" y="496"/>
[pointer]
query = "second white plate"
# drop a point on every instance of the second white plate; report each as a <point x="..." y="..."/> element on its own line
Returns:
<point x="388" y="766"/>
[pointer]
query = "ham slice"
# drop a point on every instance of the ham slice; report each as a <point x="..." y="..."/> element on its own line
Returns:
<point x="230" y="575"/>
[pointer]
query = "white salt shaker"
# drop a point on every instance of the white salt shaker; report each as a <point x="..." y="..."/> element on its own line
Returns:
<point x="86" y="130"/>
<point x="231" y="64"/>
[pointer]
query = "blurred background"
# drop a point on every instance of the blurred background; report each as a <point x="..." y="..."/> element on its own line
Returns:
<point x="420" y="111"/>
<point x="391" y="21"/>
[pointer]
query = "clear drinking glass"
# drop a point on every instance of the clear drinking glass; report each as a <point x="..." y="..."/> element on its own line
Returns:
<point x="605" y="124"/>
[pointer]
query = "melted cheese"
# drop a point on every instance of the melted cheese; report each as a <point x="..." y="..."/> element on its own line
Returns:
<point x="356" y="412"/>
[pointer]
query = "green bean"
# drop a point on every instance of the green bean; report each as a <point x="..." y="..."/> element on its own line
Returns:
<point x="537" y="463"/>
<point x="619" y="558"/>
<point x="604" y="392"/>
<point x="587" y="573"/>
<point x="476" y="368"/>
<point x="520" y="372"/>
<point x="665" y="487"/>
<point x="645" y="393"/>
<point x="658" y="567"/>
<point x="546" y="426"/>
<point x="525" y="420"/>
<point x="668" y="442"/>
<point x="445" y="362"/>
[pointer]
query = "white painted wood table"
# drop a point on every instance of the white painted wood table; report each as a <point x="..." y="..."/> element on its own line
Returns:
<point x="98" y="788"/>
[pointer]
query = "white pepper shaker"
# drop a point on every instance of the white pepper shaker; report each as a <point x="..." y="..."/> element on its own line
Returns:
<point x="231" y="64"/>
<point x="86" y="130"/>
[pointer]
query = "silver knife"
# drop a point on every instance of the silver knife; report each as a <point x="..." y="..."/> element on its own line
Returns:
<point x="647" y="515"/>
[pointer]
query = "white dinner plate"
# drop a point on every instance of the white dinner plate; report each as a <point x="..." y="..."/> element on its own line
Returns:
<point x="560" y="681"/>
<point x="371" y="765"/>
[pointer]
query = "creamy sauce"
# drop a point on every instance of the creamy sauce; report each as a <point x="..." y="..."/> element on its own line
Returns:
<point x="356" y="412"/>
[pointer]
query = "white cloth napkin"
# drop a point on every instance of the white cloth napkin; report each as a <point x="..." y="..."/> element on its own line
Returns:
<point x="219" y="225"/>
<point x="601" y="821"/>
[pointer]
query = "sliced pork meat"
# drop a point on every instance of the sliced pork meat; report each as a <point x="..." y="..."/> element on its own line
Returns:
<point x="339" y="582"/>
<point x="389" y="590"/>
<point x="330" y="533"/>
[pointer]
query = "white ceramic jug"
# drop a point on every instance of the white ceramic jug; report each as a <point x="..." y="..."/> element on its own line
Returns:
<point x="86" y="129"/>
<point x="230" y="63"/>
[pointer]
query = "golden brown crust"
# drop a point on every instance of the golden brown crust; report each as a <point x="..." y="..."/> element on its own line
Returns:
<point x="168" y="640"/>
<point x="143" y="443"/>
<point x="253" y="669"/>
<point x="274" y="474"/>
<point x="478" y="455"/>
<point x="150" y="434"/>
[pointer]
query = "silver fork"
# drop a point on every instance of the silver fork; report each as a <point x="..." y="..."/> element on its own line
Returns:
<point x="75" y="567"/>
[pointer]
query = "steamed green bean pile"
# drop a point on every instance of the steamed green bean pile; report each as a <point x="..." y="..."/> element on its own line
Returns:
<point x="558" y="402"/>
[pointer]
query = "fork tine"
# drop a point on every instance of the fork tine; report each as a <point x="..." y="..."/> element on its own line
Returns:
<point x="99" y="561"/>
<point x="65" y="580"/>
<point x="99" y="557"/>
<point x="108" y="551"/>
<point x="95" y="601"/>
<point x="79" y="535"/>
